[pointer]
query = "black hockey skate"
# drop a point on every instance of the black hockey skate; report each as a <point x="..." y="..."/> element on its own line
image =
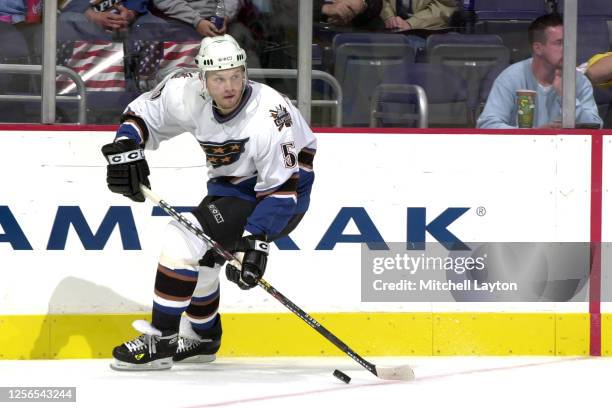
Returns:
<point x="153" y="350"/>
<point x="193" y="348"/>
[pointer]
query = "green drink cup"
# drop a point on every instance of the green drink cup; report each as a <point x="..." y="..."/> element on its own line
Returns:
<point x="525" y="99"/>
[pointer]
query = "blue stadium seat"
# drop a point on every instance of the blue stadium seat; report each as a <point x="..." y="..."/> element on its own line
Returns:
<point x="509" y="9"/>
<point x="603" y="98"/>
<point x="593" y="37"/>
<point x="509" y="19"/>
<point x="472" y="56"/>
<point x="447" y="99"/>
<point x="14" y="46"/>
<point x="513" y="34"/>
<point x="447" y="94"/>
<point x="591" y="8"/>
<point x="14" y="50"/>
<point x="362" y="62"/>
<point x="594" y="27"/>
<point x="485" y="88"/>
<point x="399" y="105"/>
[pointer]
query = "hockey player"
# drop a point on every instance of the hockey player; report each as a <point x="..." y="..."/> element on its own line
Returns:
<point x="259" y="153"/>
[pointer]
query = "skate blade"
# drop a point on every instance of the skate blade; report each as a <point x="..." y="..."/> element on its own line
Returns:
<point x="202" y="358"/>
<point x="162" y="364"/>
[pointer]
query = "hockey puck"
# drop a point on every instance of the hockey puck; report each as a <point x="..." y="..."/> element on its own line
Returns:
<point x="341" y="376"/>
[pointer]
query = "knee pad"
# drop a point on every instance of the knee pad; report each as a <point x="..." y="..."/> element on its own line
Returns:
<point x="181" y="248"/>
<point x="208" y="282"/>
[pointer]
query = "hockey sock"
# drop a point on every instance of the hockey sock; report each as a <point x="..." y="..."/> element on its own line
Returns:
<point x="177" y="275"/>
<point x="202" y="311"/>
<point x="173" y="290"/>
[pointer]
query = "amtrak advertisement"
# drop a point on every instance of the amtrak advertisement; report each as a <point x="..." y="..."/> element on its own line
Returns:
<point x="506" y="217"/>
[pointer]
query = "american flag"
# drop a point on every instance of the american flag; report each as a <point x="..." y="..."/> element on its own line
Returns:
<point x="178" y="55"/>
<point x="154" y="60"/>
<point x="99" y="63"/>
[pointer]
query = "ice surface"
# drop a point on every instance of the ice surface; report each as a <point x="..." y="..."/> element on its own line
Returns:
<point x="475" y="382"/>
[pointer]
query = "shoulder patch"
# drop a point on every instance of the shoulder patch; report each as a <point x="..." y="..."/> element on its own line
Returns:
<point x="281" y="117"/>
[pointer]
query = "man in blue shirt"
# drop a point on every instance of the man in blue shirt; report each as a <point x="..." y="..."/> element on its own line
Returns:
<point x="541" y="73"/>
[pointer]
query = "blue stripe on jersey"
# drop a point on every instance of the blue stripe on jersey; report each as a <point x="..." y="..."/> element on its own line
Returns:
<point x="263" y="219"/>
<point x="175" y="311"/>
<point x="222" y="188"/>
<point x="271" y="215"/>
<point x="304" y="188"/>
<point x="129" y="131"/>
<point x="266" y="220"/>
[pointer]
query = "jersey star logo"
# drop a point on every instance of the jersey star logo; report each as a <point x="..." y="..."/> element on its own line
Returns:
<point x="223" y="154"/>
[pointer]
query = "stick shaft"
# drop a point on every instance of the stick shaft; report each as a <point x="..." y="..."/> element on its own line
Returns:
<point x="311" y="321"/>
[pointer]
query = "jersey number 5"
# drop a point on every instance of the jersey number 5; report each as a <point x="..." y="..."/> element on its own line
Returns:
<point x="289" y="154"/>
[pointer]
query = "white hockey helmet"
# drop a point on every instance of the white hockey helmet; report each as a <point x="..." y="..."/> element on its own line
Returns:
<point x="220" y="52"/>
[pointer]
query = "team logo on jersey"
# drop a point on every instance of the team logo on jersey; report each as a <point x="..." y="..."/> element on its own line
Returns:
<point x="281" y="117"/>
<point x="223" y="154"/>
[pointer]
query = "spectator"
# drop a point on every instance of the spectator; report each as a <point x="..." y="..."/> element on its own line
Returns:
<point x="404" y="15"/>
<point x="356" y="13"/>
<point x="76" y="17"/>
<point x="117" y="16"/>
<point x="541" y="73"/>
<point x="407" y="15"/>
<point x="12" y="11"/>
<point x="599" y="69"/>
<point x="197" y="13"/>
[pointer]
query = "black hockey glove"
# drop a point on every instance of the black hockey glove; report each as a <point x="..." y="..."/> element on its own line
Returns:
<point x="253" y="250"/>
<point x="127" y="168"/>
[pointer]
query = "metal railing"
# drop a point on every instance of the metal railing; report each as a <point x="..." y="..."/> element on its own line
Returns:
<point x="37" y="69"/>
<point x="335" y="104"/>
<point x="389" y="93"/>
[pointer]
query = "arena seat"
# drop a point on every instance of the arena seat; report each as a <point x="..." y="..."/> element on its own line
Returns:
<point x="448" y="104"/>
<point x="15" y="50"/>
<point x="362" y="61"/>
<point x="471" y="56"/>
<point x="399" y="105"/>
<point x="509" y="20"/>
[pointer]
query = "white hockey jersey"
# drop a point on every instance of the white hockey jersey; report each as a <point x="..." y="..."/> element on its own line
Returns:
<point x="252" y="152"/>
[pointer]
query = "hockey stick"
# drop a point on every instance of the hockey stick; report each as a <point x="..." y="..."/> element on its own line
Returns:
<point x="403" y="373"/>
